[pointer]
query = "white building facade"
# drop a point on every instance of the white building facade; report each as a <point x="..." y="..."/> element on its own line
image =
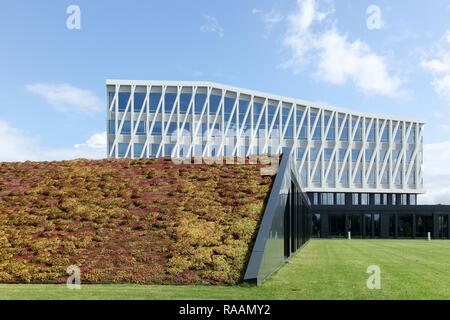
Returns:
<point x="337" y="150"/>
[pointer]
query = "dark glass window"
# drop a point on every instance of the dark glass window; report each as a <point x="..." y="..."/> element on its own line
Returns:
<point x="157" y="128"/>
<point x="405" y="225"/>
<point x="368" y="225"/>
<point x="112" y="127"/>
<point x="185" y="99"/>
<point x="443" y="226"/>
<point x="337" y="225"/>
<point x="139" y="98"/>
<point x="169" y="102"/>
<point x="424" y="224"/>
<point x="126" y="127"/>
<point x="140" y="128"/>
<point x="200" y="99"/>
<point x="138" y="148"/>
<point x="316" y="225"/>
<point x="155" y="98"/>
<point x="123" y="100"/>
<point x="354" y="225"/>
<point x="122" y="149"/>
<point x="168" y="149"/>
<point x="376" y="225"/>
<point x="229" y="104"/>
<point x="392" y="225"/>
<point x="394" y="199"/>
<point x="214" y="102"/>
<point x="111" y="97"/>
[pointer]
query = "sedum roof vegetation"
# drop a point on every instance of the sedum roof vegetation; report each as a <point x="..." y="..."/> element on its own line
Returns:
<point x="128" y="221"/>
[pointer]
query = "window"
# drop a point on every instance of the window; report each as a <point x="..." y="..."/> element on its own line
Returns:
<point x="123" y="100"/>
<point x="140" y="128"/>
<point x="168" y="149"/>
<point x="340" y="199"/>
<point x="405" y="225"/>
<point x="157" y="128"/>
<point x="376" y="225"/>
<point x="112" y="127"/>
<point x="126" y="127"/>
<point x="154" y="150"/>
<point x="139" y="98"/>
<point x="155" y="97"/>
<point x="412" y="199"/>
<point x="394" y="199"/>
<point x="123" y="149"/>
<point x="443" y="226"/>
<point x="315" y="198"/>
<point x="404" y="200"/>
<point x="169" y="102"/>
<point x="337" y="225"/>
<point x="355" y="199"/>
<point x="368" y="225"/>
<point x="392" y="225"/>
<point x="354" y="225"/>
<point x="200" y="99"/>
<point x="385" y="199"/>
<point x="138" y="148"/>
<point x="424" y="224"/>
<point x="364" y="199"/>
<point x="377" y="199"/>
<point x="316" y="225"/>
<point x="327" y="199"/>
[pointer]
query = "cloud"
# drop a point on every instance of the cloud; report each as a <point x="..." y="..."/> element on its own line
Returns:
<point x="65" y="97"/>
<point x="17" y="145"/>
<point x="314" y="39"/>
<point x="212" y="25"/>
<point x="270" y="19"/>
<point x="436" y="173"/>
<point x="437" y="63"/>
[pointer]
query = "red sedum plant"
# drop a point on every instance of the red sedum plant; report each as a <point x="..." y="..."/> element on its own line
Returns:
<point x="128" y="221"/>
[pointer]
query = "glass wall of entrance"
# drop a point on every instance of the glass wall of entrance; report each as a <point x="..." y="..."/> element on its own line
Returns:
<point x="375" y="225"/>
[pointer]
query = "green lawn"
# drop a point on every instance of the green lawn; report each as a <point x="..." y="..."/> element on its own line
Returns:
<point x="324" y="269"/>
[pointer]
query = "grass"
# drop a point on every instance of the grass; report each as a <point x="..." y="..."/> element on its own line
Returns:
<point x="324" y="269"/>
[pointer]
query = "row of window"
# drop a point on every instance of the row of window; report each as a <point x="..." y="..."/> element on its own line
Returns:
<point x="358" y="178"/>
<point x="355" y="154"/>
<point x="363" y="199"/>
<point x="368" y="225"/>
<point x="258" y="114"/>
<point x="167" y="150"/>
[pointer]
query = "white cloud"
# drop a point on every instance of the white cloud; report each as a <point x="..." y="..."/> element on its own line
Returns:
<point x="270" y="19"/>
<point x="212" y="25"/>
<point x="17" y="145"/>
<point x="437" y="63"/>
<point x="313" y="38"/>
<point x="65" y="97"/>
<point x="436" y="173"/>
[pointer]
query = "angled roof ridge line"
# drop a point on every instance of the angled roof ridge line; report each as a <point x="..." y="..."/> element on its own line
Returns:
<point x="297" y="101"/>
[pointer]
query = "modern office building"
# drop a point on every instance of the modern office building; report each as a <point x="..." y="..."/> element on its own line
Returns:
<point x="362" y="172"/>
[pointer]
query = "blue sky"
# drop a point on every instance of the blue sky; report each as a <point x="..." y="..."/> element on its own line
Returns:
<point x="52" y="91"/>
